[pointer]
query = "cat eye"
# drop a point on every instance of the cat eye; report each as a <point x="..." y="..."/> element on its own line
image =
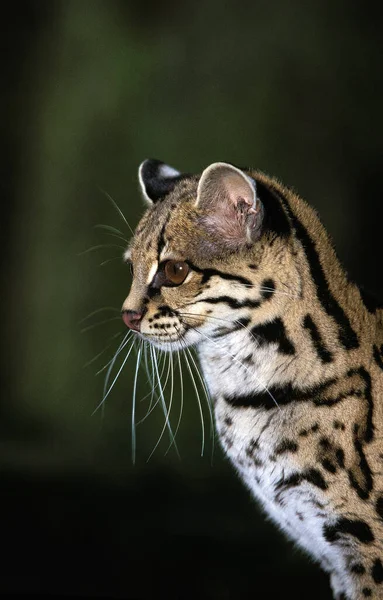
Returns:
<point x="175" y="272"/>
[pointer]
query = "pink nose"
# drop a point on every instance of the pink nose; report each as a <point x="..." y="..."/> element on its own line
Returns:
<point x="132" y="319"/>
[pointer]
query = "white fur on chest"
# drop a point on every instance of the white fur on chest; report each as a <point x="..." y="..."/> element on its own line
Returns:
<point x="250" y="442"/>
<point x="250" y="437"/>
<point x="231" y="365"/>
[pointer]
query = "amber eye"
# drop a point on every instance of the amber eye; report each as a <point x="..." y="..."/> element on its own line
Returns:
<point x="175" y="272"/>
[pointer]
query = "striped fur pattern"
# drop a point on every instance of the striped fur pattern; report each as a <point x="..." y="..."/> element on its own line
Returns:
<point x="290" y="348"/>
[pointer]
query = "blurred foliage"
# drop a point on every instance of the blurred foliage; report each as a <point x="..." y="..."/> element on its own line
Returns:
<point x="91" y="88"/>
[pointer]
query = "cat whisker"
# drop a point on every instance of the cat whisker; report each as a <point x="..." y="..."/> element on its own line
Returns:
<point x="105" y="262"/>
<point x="230" y="322"/>
<point x="116" y="377"/>
<point x="119" y="237"/>
<point x="150" y="375"/>
<point x="166" y="412"/>
<point x="134" y="404"/>
<point x="118" y="209"/>
<point x="111" y="229"/>
<point x="157" y="385"/>
<point x="199" y="403"/>
<point x="274" y="291"/>
<point x="207" y="396"/>
<point x="202" y="381"/>
<point x="95" y="312"/>
<point x="89" y="327"/>
<point x="261" y="288"/>
<point x="113" y="359"/>
<point x="116" y="234"/>
<point x="99" y="246"/>
<point x="92" y="360"/>
<point x="181" y="399"/>
<point x="240" y="363"/>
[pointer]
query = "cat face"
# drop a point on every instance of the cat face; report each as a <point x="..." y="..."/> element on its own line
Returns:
<point x="202" y="258"/>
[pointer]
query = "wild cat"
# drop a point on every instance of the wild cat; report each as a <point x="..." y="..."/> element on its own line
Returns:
<point x="240" y="267"/>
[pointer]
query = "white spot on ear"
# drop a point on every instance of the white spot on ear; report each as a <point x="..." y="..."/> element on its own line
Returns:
<point x="168" y="172"/>
<point x="152" y="272"/>
<point x="155" y="179"/>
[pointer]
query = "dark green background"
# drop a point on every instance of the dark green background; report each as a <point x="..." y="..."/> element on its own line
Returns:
<point x="90" y="89"/>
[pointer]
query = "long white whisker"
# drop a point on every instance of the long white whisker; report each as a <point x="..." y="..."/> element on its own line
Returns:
<point x="181" y="400"/>
<point x="89" y="327"/>
<point x="118" y="209"/>
<point x="207" y="396"/>
<point x="171" y="385"/>
<point x="99" y="246"/>
<point x="134" y="405"/>
<point x="111" y="362"/>
<point x="95" y="312"/>
<point x="234" y="322"/>
<point x="166" y="411"/>
<point x="240" y="363"/>
<point x="199" y="403"/>
<point x="116" y="377"/>
<point x="146" y="363"/>
<point x="92" y="360"/>
<point x="125" y="341"/>
<point x="119" y="237"/>
<point x="154" y="387"/>
<point x="108" y="260"/>
<point x="109" y="228"/>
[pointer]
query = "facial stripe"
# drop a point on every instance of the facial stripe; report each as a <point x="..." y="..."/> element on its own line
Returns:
<point x="208" y="273"/>
<point x="232" y="302"/>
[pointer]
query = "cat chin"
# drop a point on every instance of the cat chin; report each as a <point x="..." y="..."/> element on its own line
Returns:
<point x="174" y="344"/>
<point x="170" y="345"/>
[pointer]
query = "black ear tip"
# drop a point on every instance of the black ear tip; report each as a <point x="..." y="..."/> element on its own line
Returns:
<point x="157" y="178"/>
<point x="149" y="168"/>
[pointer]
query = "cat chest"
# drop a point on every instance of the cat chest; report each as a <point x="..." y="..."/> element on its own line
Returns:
<point x="235" y="365"/>
<point x="272" y="469"/>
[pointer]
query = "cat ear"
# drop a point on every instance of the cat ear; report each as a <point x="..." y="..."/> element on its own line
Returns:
<point x="228" y="198"/>
<point x="156" y="179"/>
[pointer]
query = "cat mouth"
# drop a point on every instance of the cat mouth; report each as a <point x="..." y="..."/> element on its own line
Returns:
<point x="167" y="342"/>
<point x="169" y="338"/>
<point x="164" y="336"/>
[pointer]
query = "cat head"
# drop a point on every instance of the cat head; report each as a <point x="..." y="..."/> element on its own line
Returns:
<point x="207" y="253"/>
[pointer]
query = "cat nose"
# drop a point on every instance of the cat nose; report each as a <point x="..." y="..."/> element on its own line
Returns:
<point x="132" y="319"/>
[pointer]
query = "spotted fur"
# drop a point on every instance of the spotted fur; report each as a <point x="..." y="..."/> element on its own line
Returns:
<point x="290" y="348"/>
